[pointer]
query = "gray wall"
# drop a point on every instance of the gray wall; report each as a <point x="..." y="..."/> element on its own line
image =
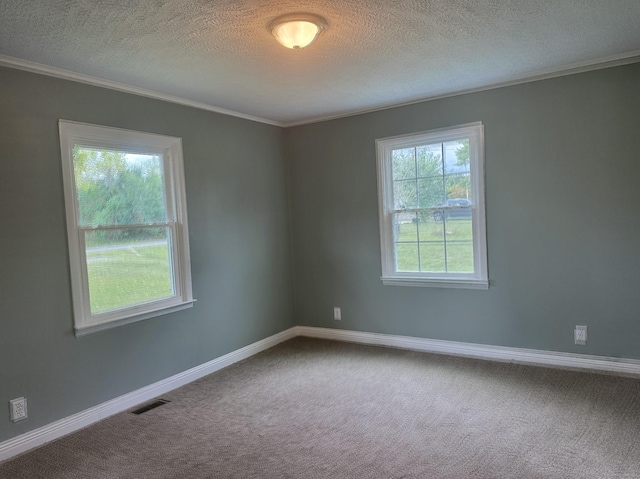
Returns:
<point x="562" y="167"/>
<point x="562" y="181"/>
<point x="239" y="238"/>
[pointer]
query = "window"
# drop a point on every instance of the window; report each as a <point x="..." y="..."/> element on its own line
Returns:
<point x="126" y="225"/>
<point x="432" y="222"/>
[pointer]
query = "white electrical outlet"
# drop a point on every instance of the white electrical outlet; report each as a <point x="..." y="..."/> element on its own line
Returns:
<point x="18" y="409"/>
<point x="337" y="314"/>
<point x="580" y="334"/>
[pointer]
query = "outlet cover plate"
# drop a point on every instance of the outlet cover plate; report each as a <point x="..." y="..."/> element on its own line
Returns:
<point x="580" y="334"/>
<point x="18" y="409"/>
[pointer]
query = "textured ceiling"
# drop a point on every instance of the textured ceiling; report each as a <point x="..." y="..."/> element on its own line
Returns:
<point x="375" y="53"/>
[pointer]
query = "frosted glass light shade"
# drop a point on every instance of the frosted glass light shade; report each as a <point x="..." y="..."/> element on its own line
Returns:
<point x="297" y="30"/>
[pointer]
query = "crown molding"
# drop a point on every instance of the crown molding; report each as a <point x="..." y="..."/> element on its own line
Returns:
<point x="572" y="69"/>
<point x="33" y="67"/>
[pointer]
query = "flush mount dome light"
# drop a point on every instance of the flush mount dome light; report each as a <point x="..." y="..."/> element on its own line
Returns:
<point x="297" y="30"/>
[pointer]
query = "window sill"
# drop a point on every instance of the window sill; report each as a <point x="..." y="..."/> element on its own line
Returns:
<point x="96" y="328"/>
<point x="435" y="282"/>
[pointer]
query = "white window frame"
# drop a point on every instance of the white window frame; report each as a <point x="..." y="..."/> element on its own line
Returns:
<point x="384" y="147"/>
<point x="170" y="149"/>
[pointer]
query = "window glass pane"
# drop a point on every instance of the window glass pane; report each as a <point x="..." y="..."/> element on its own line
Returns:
<point x="458" y="213"/>
<point x="405" y="227"/>
<point x="432" y="257"/>
<point x="456" y="156"/>
<point x="118" y="188"/>
<point x="127" y="267"/>
<point x="429" y="159"/>
<point x="405" y="194"/>
<point x="458" y="227"/>
<point x="458" y="186"/>
<point x="430" y="192"/>
<point x="407" y="257"/>
<point x="430" y="228"/>
<point x="460" y="257"/>
<point x="404" y="163"/>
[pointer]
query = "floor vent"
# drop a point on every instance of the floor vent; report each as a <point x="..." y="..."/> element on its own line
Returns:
<point x="150" y="406"/>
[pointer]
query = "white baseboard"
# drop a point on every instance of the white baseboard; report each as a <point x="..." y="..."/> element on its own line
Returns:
<point x="626" y="367"/>
<point x="42" y="435"/>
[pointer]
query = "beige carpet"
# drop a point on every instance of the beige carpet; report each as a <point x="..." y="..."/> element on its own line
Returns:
<point x="319" y="409"/>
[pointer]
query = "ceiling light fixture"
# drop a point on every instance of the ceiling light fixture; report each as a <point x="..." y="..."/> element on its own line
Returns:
<point x="297" y="30"/>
